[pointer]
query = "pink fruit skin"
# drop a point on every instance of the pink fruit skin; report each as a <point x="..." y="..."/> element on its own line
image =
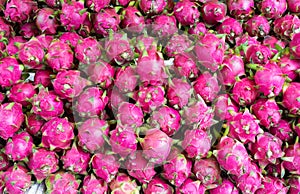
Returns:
<point x="90" y="134"/>
<point x="19" y="10"/>
<point x="179" y="93"/>
<point x="294" y="183"/>
<point x="191" y="186"/>
<point x="245" y="41"/>
<point x="158" y="185"/>
<point x="97" y="5"/>
<point x="156" y="145"/>
<point x="105" y="166"/>
<point x="267" y="112"/>
<point x="45" y="40"/>
<point x="225" y="108"/>
<point x="32" y="54"/>
<point x="62" y="182"/>
<point x="70" y="38"/>
<point x="22" y="93"/>
<point x="283" y="131"/>
<point x="294" y="46"/>
<point x="133" y="20"/>
<point x="207" y="171"/>
<point x="4" y="164"/>
<point x="196" y="143"/>
<point x="10" y="71"/>
<point x="46" y="21"/>
<point x="17" y="179"/>
<point x="186" y="12"/>
<point x="226" y="187"/>
<point x="231" y="27"/>
<point x="126" y="79"/>
<point x="291" y="98"/>
<point x="240" y="9"/>
<point x="11" y="48"/>
<point x="130" y="115"/>
<point x="272" y="185"/>
<point x="259" y="54"/>
<point x="57" y="133"/>
<point x="116" y="99"/>
<point x="107" y="19"/>
<point x="292" y="155"/>
<point x="87" y="50"/>
<point x="123" y="184"/>
<point x="293" y="5"/>
<point x="177" y="44"/>
<point x="93" y="185"/>
<point x="289" y="67"/>
<point x="19" y="147"/>
<point x="139" y="168"/>
<point x="29" y="30"/>
<point x="210" y="51"/>
<point x="286" y="26"/>
<point x="12" y="119"/>
<point x="273" y="9"/>
<point x="121" y="2"/>
<point x="42" y="77"/>
<point x="198" y="28"/>
<point x="164" y="25"/>
<point x="152" y="7"/>
<point x="101" y="73"/>
<point x="257" y="26"/>
<point x="145" y="43"/>
<point x="244" y="92"/>
<point x="42" y="163"/>
<point x="185" y="65"/>
<point x="34" y="124"/>
<point x="214" y="12"/>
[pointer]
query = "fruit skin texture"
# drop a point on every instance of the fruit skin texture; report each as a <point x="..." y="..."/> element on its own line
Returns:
<point x="46" y="21"/>
<point x="231" y="27"/>
<point x="62" y="182"/>
<point x="293" y="6"/>
<point x="107" y="19"/>
<point x="130" y="115"/>
<point x="257" y="26"/>
<point x="273" y="9"/>
<point x="283" y="131"/>
<point x="17" y="179"/>
<point x="93" y="185"/>
<point x="124" y="184"/>
<point x="12" y="119"/>
<point x="150" y="7"/>
<point x="164" y="25"/>
<point x="191" y="186"/>
<point x="186" y="12"/>
<point x="294" y="183"/>
<point x="179" y="92"/>
<point x="88" y="50"/>
<point x="214" y="12"/>
<point x="240" y="9"/>
<point x="244" y="92"/>
<point x="10" y="71"/>
<point x="42" y="163"/>
<point x="71" y="38"/>
<point x="19" y="147"/>
<point x="177" y="44"/>
<point x="224" y="107"/>
<point x="156" y="186"/>
<point x="11" y="49"/>
<point x="42" y="77"/>
<point x="97" y="5"/>
<point x="259" y="54"/>
<point x="126" y="79"/>
<point x="289" y="67"/>
<point x="19" y="10"/>
<point x="22" y="93"/>
<point x="292" y="156"/>
<point x="156" y="145"/>
<point x="101" y="73"/>
<point x="272" y="42"/>
<point x="294" y="46"/>
<point x="133" y="20"/>
<point x="226" y="187"/>
<point x="185" y="65"/>
<point x="57" y="133"/>
<point x="291" y="98"/>
<point x="196" y="143"/>
<point x="286" y="26"/>
<point x="272" y="185"/>
<point x="4" y="164"/>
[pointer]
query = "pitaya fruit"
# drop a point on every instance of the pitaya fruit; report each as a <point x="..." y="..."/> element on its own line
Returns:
<point x="283" y="131"/>
<point x="46" y="21"/>
<point x="19" y="147"/>
<point x="232" y="156"/>
<point x="196" y="143"/>
<point x="116" y="98"/>
<point x="266" y="149"/>
<point x="274" y="44"/>
<point x="294" y="46"/>
<point x="29" y="30"/>
<point x="226" y="187"/>
<point x="244" y="92"/>
<point x="272" y="185"/>
<point x="22" y="93"/>
<point x="198" y="28"/>
<point x="185" y="65"/>
<point x="105" y="20"/>
<point x="244" y="42"/>
<point x="291" y="158"/>
<point x="177" y="44"/>
<point x="210" y="51"/>
<point x="11" y="47"/>
<point x="291" y="98"/>
<point x="224" y="107"/>
<point x="257" y="26"/>
<point x="10" y="71"/>
<point x="4" y="163"/>
<point x="267" y="112"/>
<point x="62" y="182"/>
<point x="273" y="9"/>
<point x="34" y="124"/>
<point x="156" y="186"/>
<point x="179" y="92"/>
<point x="259" y="54"/>
<point x="133" y="20"/>
<point x="214" y="12"/>
<point x="71" y="38"/>
<point x="121" y="2"/>
<point x="2" y="181"/>
<point x="88" y="50"/>
<point x="231" y="27"/>
<point x="186" y="12"/>
<point x="12" y="119"/>
<point x="129" y="114"/>
<point x="19" y="10"/>
<point x="293" y="5"/>
<point x="93" y="185"/>
<point x="5" y="33"/>
<point x="124" y="184"/>
<point x="191" y="186"/>
<point x="152" y="7"/>
<point x="101" y="73"/>
<point x="296" y="127"/>
<point x="289" y="67"/>
<point x="139" y="168"/>
<point x="164" y="25"/>
<point x="17" y="179"/>
<point x="294" y="183"/>
<point x="275" y="170"/>
<point x="54" y="3"/>
<point x="105" y="166"/>
<point x="43" y="77"/>
<point x="126" y="79"/>
<point x="240" y="9"/>
<point x="97" y="5"/>
<point x="42" y="163"/>
<point x="286" y="26"/>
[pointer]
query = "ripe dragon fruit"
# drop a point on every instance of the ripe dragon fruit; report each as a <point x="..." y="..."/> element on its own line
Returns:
<point x="45" y="40"/>
<point x="12" y="119"/>
<point x="129" y="114"/>
<point x="191" y="186"/>
<point x="283" y="131"/>
<point x="286" y="26"/>
<point x="29" y="30"/>
<point x="5" y="33"/>
<point x="97" y="5"/>
<point x="296" y="127"/>
<point x="139" y="168"/>
<point x="186" y="12"/>
<point x="43" y="163"/>
<point x="289" y="67"/>
<point x="210" y="51"/>
<point x="62" y="182"/>
<point x="101" y="73"/>
<point x="231" y="27"/>
<point x="22" y="93"/>
<point x="152" y="7"/>
<point x="214" y="12"/>
<point x="272" y="185"/>
<point x="226" y="187"/>
<point x="116" y="99"/>
<point x="164" y="25"/>
<point x="177" y="44"/>
<point x="196" y="143"/>
<point x="224" y="107"/>
<point x="294" y="46"/>
<point x="34" y="124"/>
<point x="133" y="20"/>
<point x="232" y="156"/>
<point x="240" y="9"/>
<point x="266" y="149"/>
<point x="267" y="112"/>
<point x="105" y="20"/>
<point x="10" y="71"/>
<point x="17" y="179"/>
<point x="121" y="2"/>
<point x="244" y="92"/>
<point x="19" y="10"/>
<point x="124" y="184"/>
<point x="11" y="48"/>
<point x="179" y="92"/>
<point x="259" y="54"/>
<point x="156" y="145"/>
<point x="257" y="26"/>
<point x="293" y="5"/>
<point x="273" y="9"/>
<point x="43" y="77"/>
<point x="87" y="50"/>
<point x="198" y="28"/>
<point x="4" y="163"/>
<point x="156" y="186"/>
<point x="294" y="183"/>
<point x="90" y="134"/>
<point x="185" y="65"/>
<point x="76" y="160"/>
<point x="93" y="185"/>
<point x="19" y="147"/>
<point x="291" y="158"/>
<point x="244" y="42"/>
<point x="291" y="98"/>
<point x="46" y="21"/>
<point x="273" y="43"/>
<point x="244" y="127"/>
<point x="70" y="38"/>
<point x="105" y="166"/>
<point x="126" y="79"/>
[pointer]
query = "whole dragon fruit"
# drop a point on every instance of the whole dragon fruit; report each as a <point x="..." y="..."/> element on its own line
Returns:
<point x="273" y="9"/>
<point x="10" y="71"/>
<point x="62" y="182"/>
<point x="29" y="30"/>
<point x="121" y="2"/>
<point x="70" y="38"/>
<point x="91" y="185"/>
<point x="257" y="26"/>
<point x="226" y="187"/>
<point x="177" y="44"/>
<point x="156" y="186"/>
<point x="19" y="10"/>
<point x="97" y="5"/>
<point x="291" y="158"/>
<point x="152" y="7"/>
<point x="43" y="77"/>
<point x="293" y="6"/>
<point x="132" y="20"/>
<point x="259" y="54"/>
<point x="46" y="21"/>
<point x="164" y="25"/>
<point x="42" y="163"/>
<point x="294" y="183"/>
<point x="34" y="124"/>
<point x="231" y="27"/>
<point x="291" y="98"/>
<point x="124" y="184"/>
<point x="198" y="28"/>
<point x="105" y="20"/>
<point x="289" y="67"/>
<point x="283" y="131"/>
<point x="240" y="9"/>
<point x="185" y="65"/>
<point x="186" y="12"/>
<point x="272" y="185"/>
<point x="126" y="79"/>
<point x="87" y="50"/>
<point x="244" y="92"/>
<point x="179" y="92"/>
<point x="129" y="114"/>
<point x="22" y="93"/>
<point x="101" y="73"/>
<point x="214" y="12"/>
<point x="224" y="107"/>
<point x="191" y="186"/>
<point x="286" y="26"/>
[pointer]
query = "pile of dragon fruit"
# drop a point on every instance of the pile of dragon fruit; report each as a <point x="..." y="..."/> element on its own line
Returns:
<point x="150" y="96"/>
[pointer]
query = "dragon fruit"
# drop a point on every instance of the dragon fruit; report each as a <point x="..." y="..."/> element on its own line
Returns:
<point x="240" y="9"/>
<point x="156" y="186"/>
<point x="164" y="25"/>
<point x="121" y="2"/>
<point x="272" y="185"/>
<point x="43" y="77"/>
<point x="266" y="149"/>
<point x="196" y="143"/>
<point x="42" y="163"/>
<point x="11" y="48"/>
<point x="198" y="28"/>
<point x="273" y="9"/>
<point x="294" y="183"/>
<point x="191" y="186"/>
<point x="19" y="147"/>
<point x="210" y="51"/>
<point x="179" y="92"/>
<point x="156" y="145"/>
<point x="291" y="98"/>
<point x="259" y="54"/>
<point x="289" y="66"/>
<point x="105" y="20"/>
<point x="224" y="107"/>
<point x="17" y="179"/>
<point x="91" y="102"/>
<point x="185" y="65"/>
<point x="47" y="105"/>
<point x="231" y="27"/>
<point x="214" y="12"/>
<point x="116" y="98"/>
<point x="12" y="119"/>
<point x="76" y="160"/>
<point x="129" y="114"/>
<point x="133" y="20"/>
<point x="244" y="42"/>
<point x="62" y="182"/>
<point x="19" y="10"/>
<point x="6" y="31"/>
<point x="244" y="92"/>
<point x="274" y="44"/>
<point x="257" y="26"/>
<point x="286" y="26"/>
<point x="293" y="6"/>
<point x="97" y="5"/>
<point x="294" y="46"/>
<point x="34" y="124"/>
<point x="139" y="168"/>
<point x="90" y="134"/>
<point x="244" y="127"/>
<point x="297" y="127"/>
<point x="46" y="21"/>
<point x="126" y="79"/>
<point x="267" y="112"/>
<point x="177" y="168"/>
<point x="291" y="158"/>
<point x="105" y="166"/>
<point x="186" y="12"/>
<point x="177" y="44"/>
<point x="152" y="7"/>
<point x="124" y="184"/>
<point x="275" y="170"/>
<point x="70" y="38"/>
<point x="4" y="162"/>
<point x="226" y="187"/>
<point x="101" y="73"/>
<point x="87" y="50"/>
<point x="22" y="93"/>
<point x="10" y="71"/>
<point x="45" y="40"/>
<point x="232" y="156"/>
<point x="93" y="185"/>
<point x="86" y="27"/>
<point x="29" y="30"/>
<point x="283" y="131"/>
